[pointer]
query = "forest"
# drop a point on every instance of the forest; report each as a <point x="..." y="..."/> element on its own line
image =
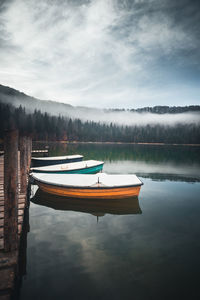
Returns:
<point x="44" y="127"/>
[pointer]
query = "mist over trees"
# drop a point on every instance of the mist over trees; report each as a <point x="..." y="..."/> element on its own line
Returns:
<point x="42" y="126"/>
<point x="58" y="121"/>
<point x="130" y="117"/>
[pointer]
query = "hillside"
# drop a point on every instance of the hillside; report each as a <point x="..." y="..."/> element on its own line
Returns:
<point x="17" y="98"/>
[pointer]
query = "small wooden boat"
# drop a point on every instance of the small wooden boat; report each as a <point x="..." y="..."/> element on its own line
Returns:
<point x="97" y="207"/>
<point x="80" y="167"/>
<point x="54" y="160"/>
<point x="98" y="186"/>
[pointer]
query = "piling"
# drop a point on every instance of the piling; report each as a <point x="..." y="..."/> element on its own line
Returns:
<point x="11" y="191"/>
<point x="23" y="164"/>
<point x="14" y="169"/>
<point x="29" y="148"/>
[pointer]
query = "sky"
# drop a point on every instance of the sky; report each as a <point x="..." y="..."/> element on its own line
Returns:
<point x="102" y="53"/>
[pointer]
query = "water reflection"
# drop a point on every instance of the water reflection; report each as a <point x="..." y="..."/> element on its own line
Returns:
<point x="158" y="171"/>
<point x="150" y="161"/>
<point x="21" y="270"/>
<point x="148" y="255"/>
<point x="113" y="152"/>
<point x="92" y="206"/>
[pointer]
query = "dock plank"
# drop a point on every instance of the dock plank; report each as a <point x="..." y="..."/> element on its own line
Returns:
<point x="8" y="261"/>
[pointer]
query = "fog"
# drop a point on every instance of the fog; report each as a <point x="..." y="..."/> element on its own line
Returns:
<point x="134" y="118"/>
<point x="104" y="116"/>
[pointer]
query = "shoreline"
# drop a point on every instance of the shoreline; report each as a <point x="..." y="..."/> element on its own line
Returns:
<point x="119" y="143"/>
<point x="112" y="143"/>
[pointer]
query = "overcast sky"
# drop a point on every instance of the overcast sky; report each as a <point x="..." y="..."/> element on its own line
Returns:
<point x="102" y="53"/>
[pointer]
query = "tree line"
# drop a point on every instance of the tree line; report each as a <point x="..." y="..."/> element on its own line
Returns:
<point x="42" y="126"/>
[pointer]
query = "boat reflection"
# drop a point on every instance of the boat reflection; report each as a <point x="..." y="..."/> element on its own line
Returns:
<point x="92" y="206"/>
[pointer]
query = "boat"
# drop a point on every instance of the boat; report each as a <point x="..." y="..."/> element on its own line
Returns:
<point x="89" y="186"/>
<point x="97" y="207"/>
<point x="54" y="160"/>
<point x="80" y="167"/>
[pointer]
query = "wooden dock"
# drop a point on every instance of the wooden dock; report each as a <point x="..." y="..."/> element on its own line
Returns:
<point x="12" y="209"/>
<point x="33" y="151"/>
<point x="21" y="204"/>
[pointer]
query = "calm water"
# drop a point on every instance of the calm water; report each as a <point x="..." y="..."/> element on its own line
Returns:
<point x="148" y="249"/>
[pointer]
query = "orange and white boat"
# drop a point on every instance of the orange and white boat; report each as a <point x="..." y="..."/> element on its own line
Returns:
<point x="89" y="186"/>
<point x="96" y="207"/>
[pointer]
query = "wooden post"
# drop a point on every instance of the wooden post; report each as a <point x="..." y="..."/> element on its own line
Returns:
<point x="29" y="149"/>
<point x="11" y="190"/>
<point x="23" y="244"/>
<point x="26" y="153"/>
<point x="23" y="164"/>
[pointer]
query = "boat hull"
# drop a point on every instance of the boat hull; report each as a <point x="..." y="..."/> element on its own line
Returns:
<point x="91" y="193"/>
<point x="46" y="162"/>
<point x="88" y="170"/>
<point x="97" y="207"/>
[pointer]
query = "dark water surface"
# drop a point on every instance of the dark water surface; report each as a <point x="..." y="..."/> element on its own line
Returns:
<point x="148" y="250"/>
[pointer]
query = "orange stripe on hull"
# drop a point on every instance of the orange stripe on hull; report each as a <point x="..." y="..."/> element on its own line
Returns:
<point x="101" y="193"/>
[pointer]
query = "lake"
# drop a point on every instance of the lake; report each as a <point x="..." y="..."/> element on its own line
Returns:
<point x="148" y="251"/>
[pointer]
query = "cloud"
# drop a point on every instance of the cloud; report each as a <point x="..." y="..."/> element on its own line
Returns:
<point x="103" y="53"/>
